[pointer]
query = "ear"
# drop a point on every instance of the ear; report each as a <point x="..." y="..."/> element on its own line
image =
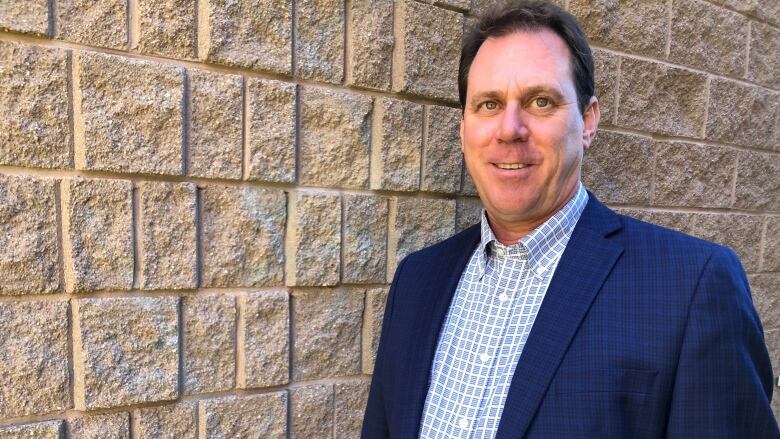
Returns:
<point x="590" y="122"/>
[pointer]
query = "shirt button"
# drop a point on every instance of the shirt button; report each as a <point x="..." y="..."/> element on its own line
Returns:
<point x="484" y="358"/>
<point x="464" y="423"/>
<point x="499" y="252"/>
<point x="503" y="297"/>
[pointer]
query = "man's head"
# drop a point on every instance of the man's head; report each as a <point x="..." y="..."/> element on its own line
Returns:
<point x="528" y="112"/>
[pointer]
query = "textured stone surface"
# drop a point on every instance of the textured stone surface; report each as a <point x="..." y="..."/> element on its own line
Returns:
<point x="128" y="351"/>
<point x="168" y="241"/>
<point x="246" y="417"/>
<point x="742" y="233"/>
<point x="742" y="115"/>
<point x="425" y="62"/>
<point x="693" y="175"/>
<point x="364" y="250"/>
<point x="764" y="60"/>
<point x="29" y="262"/>
<point x="100" y="23"/>
<point x="209" y="329"/>
<point x="38" y="430"/>
<point x="772" y="339"/>
<point x="314" y="241"/>
<point x="311" y="411"/>
<point x="272" y="131"/>
<point x="255" y="34"/>
<point x="34" y="355"/>
<point x="396" y="143"/>
<point x="168" y="27"/>
<point x="215" y="138"/>
<point x="327" y="333"/>
<point x="441" y="163"/>
<point x="27" y="16"/>
<point x="372" y="326"/>
<point x="468" y="187"/>
<point x="266" y="338"/>
<point x="709" y="38"/>
<point x="319" y="40"/>
<point x="334" y="138"/>
<point x="682" y="222"/>
<point x="176" y="421"/>
<point x="468" y="212"/>
<point x="758" y="181"/>
<point x="765" y="289"/>
<point x="616" y="169"/>
<point x="638" y="26"/>
<point x="606" y="72"/>
<point x="771" y="259"/>
<point x="98" y="227"/>
<point x="351" y="399"/>
<point x="34" y="126"/>
<point x="662" y="99"/>
<point x="372" y="44"/>
<point x="420" y="223"/>
<point x="242" y="236"/>
<point x="132" y="114"/>
<point x="100" y="426"/>
<point x="768" y="10"/>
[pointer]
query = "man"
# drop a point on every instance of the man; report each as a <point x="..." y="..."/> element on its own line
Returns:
<point x="556" y="317"/>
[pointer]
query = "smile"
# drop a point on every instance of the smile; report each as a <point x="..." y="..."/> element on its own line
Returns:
<point x="511" y="165"/>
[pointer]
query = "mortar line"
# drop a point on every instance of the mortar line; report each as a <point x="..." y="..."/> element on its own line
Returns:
<point x="69" y="61"/>
<point x="51" y="9"/>
<point x="669" y="16"/>
<point x="744" y="14"/>
<point x="424" y="146"/>
<point x="290" y="239"/>
<point x="376" y="164"/>
<point x="762" y="245"/>
<point x="78" y="359"/>
<point x="198" y="238"/>
<point x="297" y="134"/>
<point x="617" y="90"/>
<point x="202" y="37"/>
<point x="747" y="48"/>
<point x="245" y="128"/>
<point x="68" y="267"/>
<point x="71" y="352"/>
<point x="134" y="423"/>
<point x="139" y="264"/>
<point x="200" y="421"/>
<point x="707" y="93"/>
<point x="293" y="38"/>
<point x="182" y="345"/>
<point x="392" y="239"/>
<point x="734" y="181"/>
<point x="240" y="341"/>
<point x="58" y="213"/>
<point x="333" y="410"/>
<point x="348" y="42"/>
<point x="133" y="25"/>
<point x="186" y="117"/>
<point x="343" y="207"/>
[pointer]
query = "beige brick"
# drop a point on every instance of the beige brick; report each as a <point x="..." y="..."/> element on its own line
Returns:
<point x="442" y="159"/>
<point x="396" y="145"/>
<point x="168" y="241"/>
<point x="34" y="126"/>
<point x="98" y="227"/>
<point x="319" y="40"/>
<point x="255" y="34"/>
<point x="768" y="10"/>
<point x="334" y="138"/>
<point x="327" y="333"/>
<point x="314" y="239"/>
<point x="742" y="115"/>
<point x="618" y="168"/>
<point x="663" y="99"/>
<point x="364" y="250"/>
<point x="479" y="6"/>
<point x="376" y="298"/>
<point x="100" y="23"/>
<point x="132" y="114"/>
<point x="467" y="187"/>
<point x="38" y="430"/>
<point x="266" y="338"/>
<point x="126" y="351"/>
<point x="765" y="288"/>
<point x="758" y="184"/>
<point x="742" y="233"/>
<point x="28" y="244"/>
<point x="246" y="417"/>
<point x="311" y="411"/>
<point x="209" y="354"/>
<point x="764" y="60"/>
<point x="216" y="131"/>
<point x="100" y="426"/>
<point x="27" y="16"/>
<point x="771" y="259"/>
<point x="168" y="27"/>
<point x="693" y="175"/>
<point x="372" y="44"/>
<point x="606" y="72"/>
<point x="272" y="131"/>
<point x="682" y="222"/>
<point x="175" y="421"/>
<point x="242" y="236"/>
<point x="468" y="212"/>
<point x="420" y="222"/>
<point x="351" y="400"/>
<point x="34" y="377"/>
<point x="425" y="62"/>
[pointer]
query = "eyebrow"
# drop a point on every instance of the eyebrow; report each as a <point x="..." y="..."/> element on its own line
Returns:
<point x="537" y="89"/>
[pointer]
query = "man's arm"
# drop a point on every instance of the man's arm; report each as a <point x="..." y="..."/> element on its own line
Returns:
<point x="723" y="384"/>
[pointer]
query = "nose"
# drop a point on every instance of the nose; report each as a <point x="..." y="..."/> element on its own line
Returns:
<point x="512" y="128"/>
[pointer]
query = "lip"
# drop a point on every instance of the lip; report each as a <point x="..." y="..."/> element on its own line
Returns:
<point x="512" y="173"/>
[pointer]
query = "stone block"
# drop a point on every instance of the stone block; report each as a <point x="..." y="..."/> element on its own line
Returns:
<point x="742" y="115"/>
<point x="271" y="135"/>
<point x="693" y="175"/>
<point x="479" y="6"/>
<point x="314" y="240"/>
<point x="168" y="27"/>
<point x="126" y="351"/>
<point x="765" y="289"/>
<point x="768" y="10"/>
<point x="266" y="338"/>
<point x="396" y="144"/>
<point x="709" y="38"/>
<point x="742" y="233"/>
<point x="175" y="421"/>
<point x="26" y="16"/>
<point x="319" y="40"/>
<point x="418" y="223"/>
<point x="606" y="72"/>
<point x="29" y="261"/>
<point x="468" y="211"/>
<point x="364" y="250"/>
<point x="334" y="138"/>
<point x="34" y="377"/>
<point x="772" y="339"/>
<point x="132" y="115"/>
<point x="216" y="125"/>
<point x="376" y="298"/>
<point x="327" y="333"/>
<point x="168" y="241"/>
<point x="209" y="354"/>
<point x="662" y="99"/>
<point x="255" y="34"/>
<point x="311" y="411"/>
<point x="468" y="187"/>
<point x="351" y="400"/>
<point x="764" y="58"/>
<point x="100" y="426"/>
<point x="425" y="62"/>
<point x="758" y="184"/>
<point x="242" y="236"/>
<point x="618" y="168"/>
<point x="246" y="417"/>
<point x="101" y="23"/>
<point x="682" y="222"/>
<point x="372" y="44"/>
<point x="771" y="253"/>
<point x="442" y="163"/>
<point x="34" y="125"/>
<point x="98" y="232"/>
<point x="38" y="430"/>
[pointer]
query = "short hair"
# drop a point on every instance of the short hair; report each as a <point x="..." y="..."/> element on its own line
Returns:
<point x="511" y="16"/>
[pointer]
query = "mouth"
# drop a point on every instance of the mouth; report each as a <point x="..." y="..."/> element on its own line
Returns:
<point x="510" y="166"/>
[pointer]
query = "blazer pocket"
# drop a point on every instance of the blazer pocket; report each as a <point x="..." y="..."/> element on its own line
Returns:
<point x="571" y="381"/>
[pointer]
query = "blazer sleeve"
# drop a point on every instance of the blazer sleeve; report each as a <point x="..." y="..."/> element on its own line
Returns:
<point x="723" y="383"/>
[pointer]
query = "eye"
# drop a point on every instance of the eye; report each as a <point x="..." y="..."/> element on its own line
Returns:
<point x="490" y="105"/>
<point x="541" y="102"/>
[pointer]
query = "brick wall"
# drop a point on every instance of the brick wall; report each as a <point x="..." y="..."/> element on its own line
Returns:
<point x="202" y="202"/>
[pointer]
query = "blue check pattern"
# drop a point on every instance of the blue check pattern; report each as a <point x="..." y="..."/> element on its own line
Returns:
<point x="491" y="315"/>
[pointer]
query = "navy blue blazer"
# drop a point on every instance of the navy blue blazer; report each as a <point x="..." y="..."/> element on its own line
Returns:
<point x="643" y="333"/>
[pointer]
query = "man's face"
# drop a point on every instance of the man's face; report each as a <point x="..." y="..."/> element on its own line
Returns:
<point x="522" y="133"/>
